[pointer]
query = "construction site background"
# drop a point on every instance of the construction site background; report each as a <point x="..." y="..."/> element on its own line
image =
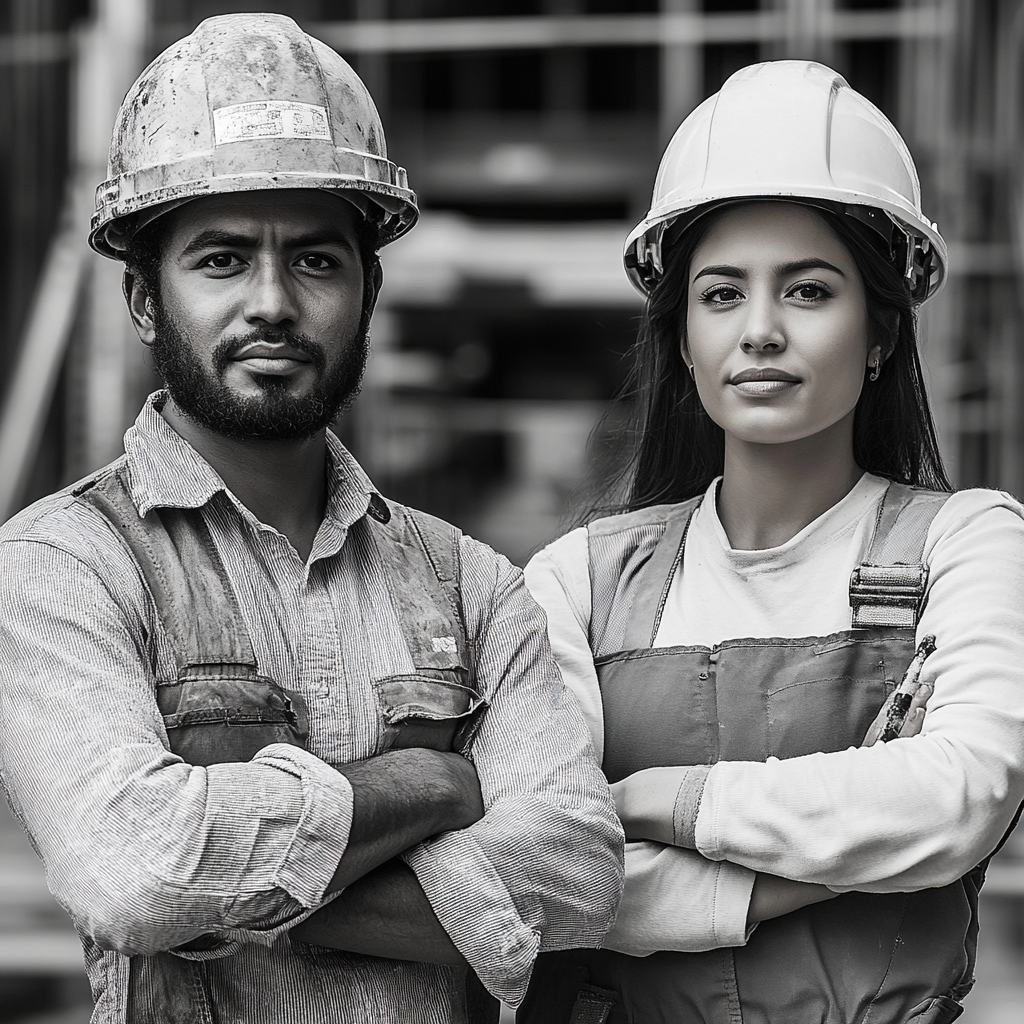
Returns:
<point x="531" y="130"/>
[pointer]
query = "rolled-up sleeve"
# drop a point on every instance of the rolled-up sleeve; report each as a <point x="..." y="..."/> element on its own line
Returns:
<point x="675" y="899"/>
<point x="542" y="869"/>
<point x="145" y="852"/>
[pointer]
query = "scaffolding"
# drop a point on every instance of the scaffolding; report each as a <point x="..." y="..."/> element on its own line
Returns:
<point x="532" y="131"/>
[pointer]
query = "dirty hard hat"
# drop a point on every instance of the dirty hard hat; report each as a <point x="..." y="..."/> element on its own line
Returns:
<point x="792" y="130"/>
<point x="247" y="101"/>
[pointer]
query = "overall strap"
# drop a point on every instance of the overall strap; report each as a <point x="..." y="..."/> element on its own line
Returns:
<point x="888" y="588"/>
<point x="184" y="572"/>
<point x="422" y="557"/>
<point x="656" y="578"/>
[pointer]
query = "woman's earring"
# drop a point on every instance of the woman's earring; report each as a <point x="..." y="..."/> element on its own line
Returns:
<point x="693" y="373"/>
<point x="876" y="371"/>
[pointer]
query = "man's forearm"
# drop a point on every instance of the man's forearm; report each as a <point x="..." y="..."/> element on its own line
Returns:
<point x="385" y="913"/>
<point x="400" y="798"/>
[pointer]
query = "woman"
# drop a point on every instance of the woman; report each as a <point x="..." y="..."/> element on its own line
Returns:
<point x="786" y="541"/>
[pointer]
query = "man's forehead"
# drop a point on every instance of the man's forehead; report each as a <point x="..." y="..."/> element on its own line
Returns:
<point x="286" y="212"/>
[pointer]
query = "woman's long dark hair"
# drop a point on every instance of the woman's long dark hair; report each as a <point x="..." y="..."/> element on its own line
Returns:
<point x="674" y="449"/>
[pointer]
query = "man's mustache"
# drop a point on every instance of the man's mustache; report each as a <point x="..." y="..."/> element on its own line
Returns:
<point x="230" y="347"/>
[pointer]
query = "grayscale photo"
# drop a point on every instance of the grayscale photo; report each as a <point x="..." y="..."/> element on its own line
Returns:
<point x="510" y="512"/>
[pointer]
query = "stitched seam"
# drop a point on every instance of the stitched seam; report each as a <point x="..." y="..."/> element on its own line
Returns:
<point x="888" y="967"/>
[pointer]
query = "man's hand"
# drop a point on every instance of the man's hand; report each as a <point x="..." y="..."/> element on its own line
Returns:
<point x="385" y="913"/>
<point x="400" y="798"/>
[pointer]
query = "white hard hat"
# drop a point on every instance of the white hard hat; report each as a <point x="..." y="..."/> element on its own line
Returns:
<point x="791" y="129"/>
<point x="247" y="101"/>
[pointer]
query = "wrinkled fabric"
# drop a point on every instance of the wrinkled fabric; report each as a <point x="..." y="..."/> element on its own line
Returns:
<point x="149" y="853"/>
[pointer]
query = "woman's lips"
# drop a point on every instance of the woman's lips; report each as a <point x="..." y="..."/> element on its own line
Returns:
<point x="764" y="387"/>
<point x="763" y="381"/>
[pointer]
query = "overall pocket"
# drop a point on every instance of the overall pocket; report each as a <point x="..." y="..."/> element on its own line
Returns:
<point x="428" y="708"/>
<point x="220" y="713"/>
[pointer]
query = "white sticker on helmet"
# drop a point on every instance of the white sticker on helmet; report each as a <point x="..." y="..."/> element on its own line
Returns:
<point x="270" y="119"/>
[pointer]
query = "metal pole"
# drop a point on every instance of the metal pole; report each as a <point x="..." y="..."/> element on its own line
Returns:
<point x="114" y="55"/>
<point x="43" y="344"/>
<point x="682" y="73"/>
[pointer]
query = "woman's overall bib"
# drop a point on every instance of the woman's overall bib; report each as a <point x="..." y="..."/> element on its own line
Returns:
<point x="864" y="958"/>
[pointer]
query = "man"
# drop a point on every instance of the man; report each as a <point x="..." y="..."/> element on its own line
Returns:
<point x="235" y="681"/>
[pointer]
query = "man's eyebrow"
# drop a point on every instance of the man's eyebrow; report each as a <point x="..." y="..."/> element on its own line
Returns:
<point x="323" y="236"/>
<point x="215" y="237"/>
<point x="783" y="269"/>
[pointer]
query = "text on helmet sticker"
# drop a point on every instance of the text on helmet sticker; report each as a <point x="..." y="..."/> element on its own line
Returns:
<point x="270" y="119"/>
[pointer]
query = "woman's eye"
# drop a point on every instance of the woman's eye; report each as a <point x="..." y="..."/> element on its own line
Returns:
<point x="721" y="295"/>
<point x="810" y="292"/>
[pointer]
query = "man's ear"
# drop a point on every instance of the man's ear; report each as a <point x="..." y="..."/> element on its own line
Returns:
<point x="371" y="289"/>
<point x="140" y="306"/>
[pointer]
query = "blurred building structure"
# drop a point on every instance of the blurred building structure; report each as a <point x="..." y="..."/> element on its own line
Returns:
<point x="531" y="130"/>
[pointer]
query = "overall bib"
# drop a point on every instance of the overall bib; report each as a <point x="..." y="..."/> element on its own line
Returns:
<point x="219" y="706"/>
<point x="857" y="959"/>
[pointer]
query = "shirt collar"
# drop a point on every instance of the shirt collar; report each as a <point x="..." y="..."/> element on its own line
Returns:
<point x="165" y="471"/>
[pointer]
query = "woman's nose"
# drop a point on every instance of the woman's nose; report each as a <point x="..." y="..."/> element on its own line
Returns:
<point x="763" y="330"/>
<point x="271" y="297"/>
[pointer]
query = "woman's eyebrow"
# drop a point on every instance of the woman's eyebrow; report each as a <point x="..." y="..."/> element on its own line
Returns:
<point x="798" y="266"/>
<point x="783" y="269"/>
<point x="720" y="270"/>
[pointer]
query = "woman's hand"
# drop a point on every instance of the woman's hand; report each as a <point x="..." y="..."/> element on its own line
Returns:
<point x="773" y="896"/>
<point x="914" y="720"/>
<point x="645" y="802"/>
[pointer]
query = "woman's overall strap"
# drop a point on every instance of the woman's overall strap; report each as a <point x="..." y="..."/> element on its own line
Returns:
<point x="888" y="588"/>
<point x="184" y="573"/>
<point x="656" y="578"/>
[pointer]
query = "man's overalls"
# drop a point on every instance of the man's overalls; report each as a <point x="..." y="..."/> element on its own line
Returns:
<point x="221" y="708"/>
<point x="857" y="959"/>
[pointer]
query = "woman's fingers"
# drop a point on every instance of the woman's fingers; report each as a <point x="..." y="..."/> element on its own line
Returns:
<point x="915" y="716"/>
<point x="913" y="722"/>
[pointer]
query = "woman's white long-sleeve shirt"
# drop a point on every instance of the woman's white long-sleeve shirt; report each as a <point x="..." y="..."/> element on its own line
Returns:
<point x="892" y="817"/>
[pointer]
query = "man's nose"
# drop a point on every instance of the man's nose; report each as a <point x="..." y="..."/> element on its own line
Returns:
<point x="763" y="330"/>
<point x="271" y="296"/>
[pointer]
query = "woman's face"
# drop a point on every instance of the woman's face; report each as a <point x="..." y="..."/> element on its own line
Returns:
<point x="776" y="324"/>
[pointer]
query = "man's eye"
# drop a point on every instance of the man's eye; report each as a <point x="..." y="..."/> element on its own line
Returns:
<point x="317" y="261"/>
<point x="222" y="261"/>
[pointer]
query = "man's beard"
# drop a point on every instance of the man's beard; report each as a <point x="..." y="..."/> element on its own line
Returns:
<point x="203" y="396"/>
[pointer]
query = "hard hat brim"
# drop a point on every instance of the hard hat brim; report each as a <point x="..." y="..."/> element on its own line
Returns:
<point x="114" y="220"/>
<point x="645" y="239"/>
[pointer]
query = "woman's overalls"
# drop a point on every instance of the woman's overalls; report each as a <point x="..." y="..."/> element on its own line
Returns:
<point x="864" y="958"/>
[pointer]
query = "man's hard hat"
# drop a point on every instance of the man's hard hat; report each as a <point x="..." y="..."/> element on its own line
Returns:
<point x="247" y="101"/>
<point x="791" y="129"/>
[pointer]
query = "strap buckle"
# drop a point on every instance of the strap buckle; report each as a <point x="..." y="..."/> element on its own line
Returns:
<point x="887" y="595"/>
